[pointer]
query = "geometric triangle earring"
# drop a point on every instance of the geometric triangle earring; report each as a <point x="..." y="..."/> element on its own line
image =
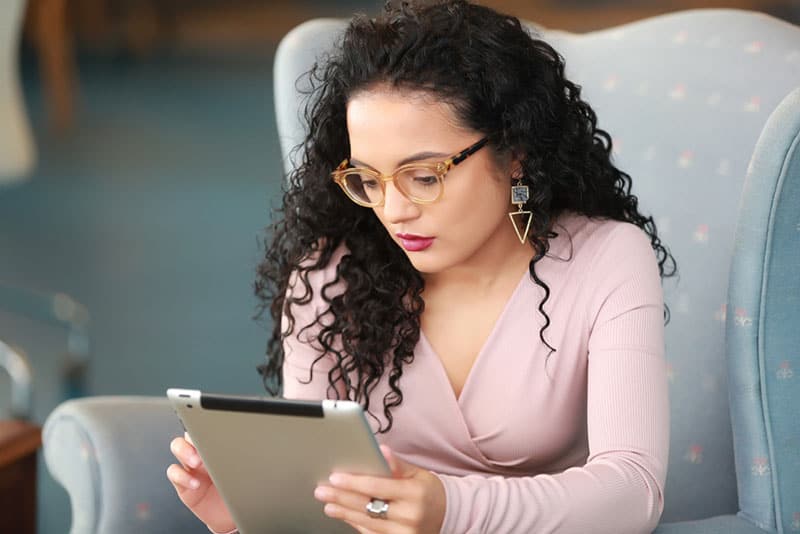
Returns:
<point x="520" y="218"/>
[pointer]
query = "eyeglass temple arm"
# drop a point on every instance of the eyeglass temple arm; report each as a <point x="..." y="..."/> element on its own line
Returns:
<point x="461" y="156"/>
<point x="469" y="151"/>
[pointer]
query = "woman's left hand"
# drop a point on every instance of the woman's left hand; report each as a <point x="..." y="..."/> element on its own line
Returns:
<point x="416" y="499"/>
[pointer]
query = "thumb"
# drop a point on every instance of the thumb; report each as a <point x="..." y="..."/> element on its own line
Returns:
<point x="399" y="468"/>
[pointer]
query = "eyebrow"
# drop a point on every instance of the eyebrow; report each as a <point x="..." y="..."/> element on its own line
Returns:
<point x="410" y="159"/>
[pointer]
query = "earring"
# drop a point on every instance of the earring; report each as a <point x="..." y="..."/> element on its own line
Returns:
<point x="519" y="196"/>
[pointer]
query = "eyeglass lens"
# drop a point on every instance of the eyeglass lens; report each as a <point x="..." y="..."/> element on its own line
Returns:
<point x="416" y="183"/>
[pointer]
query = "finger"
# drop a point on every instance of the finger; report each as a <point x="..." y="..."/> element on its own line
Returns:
<point x="184" y="486"/>
<point x="201" y="466"/>
<point x="388" y="489"/>
<point x="181" y="479"/>
<point x="185" y="452"/>
<point x="347" y="499"/>
<point x="399" y="511"/>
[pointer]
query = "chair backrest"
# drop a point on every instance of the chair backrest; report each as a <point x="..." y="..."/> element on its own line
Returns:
<point x="16" y="144"/>
<point x="685" y="97"/>
<point x="763" y="337"/>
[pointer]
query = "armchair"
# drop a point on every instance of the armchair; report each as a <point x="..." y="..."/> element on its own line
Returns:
<point x="704" y="109"/>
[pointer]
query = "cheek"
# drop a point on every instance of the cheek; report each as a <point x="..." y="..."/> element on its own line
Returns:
<point x="482" y="217"/>
<point x="469" y="222"/>
<point x="467" y="215"/>
<point x="483" y="204"/>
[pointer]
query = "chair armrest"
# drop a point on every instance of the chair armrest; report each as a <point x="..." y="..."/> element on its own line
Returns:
<point x="111" y="455"/>
<point x="721" y="524"/>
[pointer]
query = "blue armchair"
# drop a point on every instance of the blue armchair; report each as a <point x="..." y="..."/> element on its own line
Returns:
<point x="704" y="109"/>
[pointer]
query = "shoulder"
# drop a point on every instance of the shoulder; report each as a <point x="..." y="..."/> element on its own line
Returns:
<point x="601" y="257"/>
<point x="600" y="242"/>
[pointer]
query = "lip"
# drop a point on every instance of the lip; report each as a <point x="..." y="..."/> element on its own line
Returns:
<point x="415" y="243"/>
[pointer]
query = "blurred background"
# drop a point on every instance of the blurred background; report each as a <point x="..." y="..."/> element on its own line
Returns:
<point x="128" y="248"/>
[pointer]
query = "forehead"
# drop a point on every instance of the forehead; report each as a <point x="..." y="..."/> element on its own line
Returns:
<point x="414" y="119"/>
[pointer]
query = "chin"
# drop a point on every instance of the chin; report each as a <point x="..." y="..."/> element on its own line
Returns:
<point x="424" y="265"/>
<point x="430" y="264"/>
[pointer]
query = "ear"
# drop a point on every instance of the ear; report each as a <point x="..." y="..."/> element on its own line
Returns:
<point x="516" y="168"/>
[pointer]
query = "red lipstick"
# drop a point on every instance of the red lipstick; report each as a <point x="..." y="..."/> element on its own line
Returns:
<point x="415" y="243"/>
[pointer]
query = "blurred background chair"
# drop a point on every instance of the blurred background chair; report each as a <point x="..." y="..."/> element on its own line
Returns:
<point x="25" y="316"/>
<point x="19" y="441"/>
<point x="704" y="110"/>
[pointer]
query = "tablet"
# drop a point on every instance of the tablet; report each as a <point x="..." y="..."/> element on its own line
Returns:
<point x="266" y="455"/>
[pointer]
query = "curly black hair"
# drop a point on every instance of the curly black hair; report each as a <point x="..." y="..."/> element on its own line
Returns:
<point x="500" y="80"/>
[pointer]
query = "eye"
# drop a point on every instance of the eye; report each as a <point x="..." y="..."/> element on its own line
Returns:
<point x="425" y="180"/>
<point x="369" y="183"/>
<point x="420" y="177"/>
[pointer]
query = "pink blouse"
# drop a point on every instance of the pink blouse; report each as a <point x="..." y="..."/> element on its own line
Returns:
<point x="576" y="442"/>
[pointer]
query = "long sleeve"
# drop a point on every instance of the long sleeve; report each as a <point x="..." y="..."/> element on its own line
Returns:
<point x="619" y="490"/>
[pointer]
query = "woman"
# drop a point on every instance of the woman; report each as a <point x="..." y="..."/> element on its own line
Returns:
<point x="476" y="273"/>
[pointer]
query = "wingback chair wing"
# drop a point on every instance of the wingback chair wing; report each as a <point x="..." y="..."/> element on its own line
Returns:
<point x="704" y="110"/>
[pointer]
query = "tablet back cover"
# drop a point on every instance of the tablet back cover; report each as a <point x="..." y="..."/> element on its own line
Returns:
<point x="266" y="465"/>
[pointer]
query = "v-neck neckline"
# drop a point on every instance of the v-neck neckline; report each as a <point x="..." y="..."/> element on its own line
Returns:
<point x="493" y="333"/>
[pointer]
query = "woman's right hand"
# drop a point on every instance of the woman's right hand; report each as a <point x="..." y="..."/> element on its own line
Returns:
<point x="195" y="488"/>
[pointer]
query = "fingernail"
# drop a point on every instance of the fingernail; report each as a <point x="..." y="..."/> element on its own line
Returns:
<point x="194" y="460"/>
<point x="336" y="478"/>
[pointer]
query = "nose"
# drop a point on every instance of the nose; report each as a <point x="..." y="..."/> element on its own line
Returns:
<point x="396" y="207"/>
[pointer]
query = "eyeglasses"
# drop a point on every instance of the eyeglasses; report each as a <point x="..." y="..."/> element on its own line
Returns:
<point x="421" y="183"/>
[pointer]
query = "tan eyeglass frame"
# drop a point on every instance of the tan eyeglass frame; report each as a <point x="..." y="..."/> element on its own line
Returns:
<point x="439" y="169"/>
